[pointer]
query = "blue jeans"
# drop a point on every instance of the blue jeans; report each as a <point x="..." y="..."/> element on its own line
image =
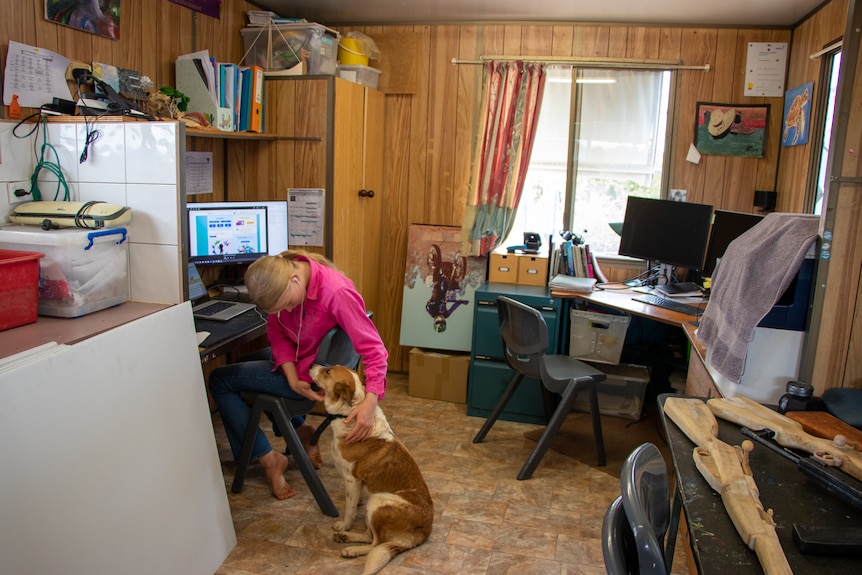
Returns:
<point x="226" y="384"/>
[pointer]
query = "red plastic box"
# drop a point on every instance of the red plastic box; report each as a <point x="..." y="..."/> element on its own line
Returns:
<point x="19" y="288"/>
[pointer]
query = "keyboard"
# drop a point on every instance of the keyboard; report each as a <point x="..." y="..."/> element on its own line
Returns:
<point x="669" y="303"/>
<point x="214" y="308"/>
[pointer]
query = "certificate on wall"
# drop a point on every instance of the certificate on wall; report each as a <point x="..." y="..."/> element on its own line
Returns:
<point x="764" y="69"/>
<point x="305" y="216"/>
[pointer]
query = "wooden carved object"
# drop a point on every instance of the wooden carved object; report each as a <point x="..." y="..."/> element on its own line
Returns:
<point x="725" y="468"/>
<point x="788" y="433"/>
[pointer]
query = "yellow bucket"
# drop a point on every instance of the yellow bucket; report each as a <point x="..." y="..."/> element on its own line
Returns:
<point x="350" y="54"/>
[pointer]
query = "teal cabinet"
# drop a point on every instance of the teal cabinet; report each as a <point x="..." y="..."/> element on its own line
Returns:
<point x="489" y="372"/>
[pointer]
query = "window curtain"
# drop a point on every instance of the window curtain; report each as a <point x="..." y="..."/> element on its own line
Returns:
<point x="512" y="99"/>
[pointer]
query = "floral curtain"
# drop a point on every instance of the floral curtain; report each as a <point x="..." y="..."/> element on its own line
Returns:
<point x="513" y="96"/>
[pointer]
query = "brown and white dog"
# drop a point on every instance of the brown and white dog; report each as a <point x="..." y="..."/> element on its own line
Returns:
<point x="399" y="511"/>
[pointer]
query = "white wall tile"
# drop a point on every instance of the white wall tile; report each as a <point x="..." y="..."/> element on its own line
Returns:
<point x="96" y="192"/>
<point x="62" y="151"/>
<point x="151" y="152"/>
<point x="106" y="154"/>
<point x="154" y="271"/>
<point x="155" y="213"/>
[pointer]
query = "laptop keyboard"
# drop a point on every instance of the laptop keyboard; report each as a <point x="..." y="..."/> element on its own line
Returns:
<point x="214" y="308"/>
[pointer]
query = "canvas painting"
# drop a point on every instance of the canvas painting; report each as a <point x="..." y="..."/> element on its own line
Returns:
<point x="797" y="115"/>
<point x="439" y="289"/>
<point x="100" y="17"/>
<point x="731" y="129"/>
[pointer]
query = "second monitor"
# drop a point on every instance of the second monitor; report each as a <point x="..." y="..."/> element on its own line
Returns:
<point x="236" y="232"/>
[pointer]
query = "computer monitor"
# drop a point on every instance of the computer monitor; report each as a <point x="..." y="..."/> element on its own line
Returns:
<point x="666" y="232"/>
<point x="726" y="227"/>
<point x="235" y="232"/>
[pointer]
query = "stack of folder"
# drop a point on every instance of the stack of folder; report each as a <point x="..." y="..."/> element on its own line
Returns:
<point x="228" y="95"/>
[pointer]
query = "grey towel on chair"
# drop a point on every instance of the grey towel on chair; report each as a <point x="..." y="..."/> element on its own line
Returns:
<point x="754" y="272"/>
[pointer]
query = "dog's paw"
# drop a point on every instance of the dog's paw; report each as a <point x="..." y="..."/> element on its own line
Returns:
<point x="340" y="526"/>
<point x="340" y="537"/>
<point x="350" y="552"/>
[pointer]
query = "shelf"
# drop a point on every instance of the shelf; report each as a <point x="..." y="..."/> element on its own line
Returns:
<point x="218" y="134"/>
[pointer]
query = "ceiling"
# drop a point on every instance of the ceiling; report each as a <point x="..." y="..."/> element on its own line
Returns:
<point x="759" y="13"/>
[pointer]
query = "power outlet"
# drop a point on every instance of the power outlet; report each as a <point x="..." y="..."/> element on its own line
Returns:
<point x="18" y="192"/>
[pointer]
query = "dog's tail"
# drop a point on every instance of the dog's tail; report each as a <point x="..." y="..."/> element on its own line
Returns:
<point x="382" y="554"/>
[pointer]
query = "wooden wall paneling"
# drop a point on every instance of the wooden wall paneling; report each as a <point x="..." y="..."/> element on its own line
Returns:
<point x="467" y="113"/>
<point x="419" y="135"/>
<point x="591" y="41"/>
<point x="561" y="42"/>
<point x="618" y="41"/>
<point x="697" y="49"/>
<point x="644" y="42"/>
<point x="670" y="41"/>
<point x="442" y="106"/>
<point x="852" y="376"/>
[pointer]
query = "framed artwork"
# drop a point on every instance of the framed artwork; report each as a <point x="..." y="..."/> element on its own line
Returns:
<point x="101" y="18"/>
<point x="439" y="289"/>
<point x="797" y="113"/>
<point x="731" y="129"/>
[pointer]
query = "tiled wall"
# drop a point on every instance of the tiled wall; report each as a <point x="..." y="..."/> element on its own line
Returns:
<point x="135" y="164"/>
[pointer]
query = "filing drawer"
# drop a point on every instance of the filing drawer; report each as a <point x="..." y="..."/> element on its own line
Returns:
<point x="488" y="381"/>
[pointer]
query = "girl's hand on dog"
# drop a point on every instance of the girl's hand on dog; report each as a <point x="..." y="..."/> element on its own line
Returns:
<point x="304" y="389"/>
<point x="363" y="415"/>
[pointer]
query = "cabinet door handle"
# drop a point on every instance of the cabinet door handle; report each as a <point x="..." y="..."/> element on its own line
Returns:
<point x="366" y="193"/>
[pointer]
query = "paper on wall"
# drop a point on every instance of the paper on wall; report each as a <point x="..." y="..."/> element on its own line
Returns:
<point x="36" y="75"/>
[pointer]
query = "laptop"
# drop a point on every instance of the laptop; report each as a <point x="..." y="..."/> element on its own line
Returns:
<point x="215" y="309"/>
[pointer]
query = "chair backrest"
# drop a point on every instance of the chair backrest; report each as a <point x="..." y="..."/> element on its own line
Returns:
<point x="525" y="335"/>
<point x="618" y="541"/>
<point x="645" y="496"/>
<point x="337" y="349"/>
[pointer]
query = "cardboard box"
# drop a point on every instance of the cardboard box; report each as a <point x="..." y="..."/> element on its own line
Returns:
<point x="532" y="270"/>
<point x="622" y="393"/>
<point x="438" y="375"/>
<point x="503" y="268"/>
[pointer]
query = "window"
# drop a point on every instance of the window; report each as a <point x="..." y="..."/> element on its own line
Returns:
<point x="595" y="145"/>
<point x="829" y="78"/>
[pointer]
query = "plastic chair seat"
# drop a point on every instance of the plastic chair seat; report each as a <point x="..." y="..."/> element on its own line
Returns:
<point x="525" y="343"/>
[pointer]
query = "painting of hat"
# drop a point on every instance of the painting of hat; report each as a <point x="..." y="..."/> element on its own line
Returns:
<point x="718" y="122"/>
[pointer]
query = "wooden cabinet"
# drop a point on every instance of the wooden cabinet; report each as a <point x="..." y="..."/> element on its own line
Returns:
<point x="334" y="141"/>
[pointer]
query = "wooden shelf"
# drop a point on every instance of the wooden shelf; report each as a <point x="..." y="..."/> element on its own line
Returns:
<point x="218" y="134"/>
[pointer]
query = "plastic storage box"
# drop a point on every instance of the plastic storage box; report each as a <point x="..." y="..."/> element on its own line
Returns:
<point x="83" y="270"/>
<point x="597" y="336"/>
<point x="622" y="393"/>
<point x="365" y="75"/>
<point x="282" y="46"/>
<point x="19" y="287"/>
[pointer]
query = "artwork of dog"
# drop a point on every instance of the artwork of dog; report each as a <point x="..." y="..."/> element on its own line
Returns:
<point x="399" y="511"/>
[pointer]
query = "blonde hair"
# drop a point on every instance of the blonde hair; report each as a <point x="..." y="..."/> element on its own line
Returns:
<point x="268" y="277"/>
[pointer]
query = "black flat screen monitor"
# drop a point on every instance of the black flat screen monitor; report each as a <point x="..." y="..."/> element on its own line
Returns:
<point x="235" y="232"/>
<point x="666" y="232"/>
<point x="726" y="227"/>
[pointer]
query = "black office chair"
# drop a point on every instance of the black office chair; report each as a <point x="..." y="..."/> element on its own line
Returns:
<point x="525" y="344"/>
<point x="635" y="524"/>
<point x="336" y="348"/>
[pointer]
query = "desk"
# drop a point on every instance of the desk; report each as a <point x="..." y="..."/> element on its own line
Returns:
<point x="715" y="543"/>
<point x="225" y="336"/>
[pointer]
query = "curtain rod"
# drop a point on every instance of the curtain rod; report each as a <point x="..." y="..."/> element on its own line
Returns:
<point x="591" y="62"/>
<point x="816" y="55"/>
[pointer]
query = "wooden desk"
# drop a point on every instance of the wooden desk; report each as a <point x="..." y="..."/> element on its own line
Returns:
<point x="698" y="380"/>
<point x="717" y="547"/>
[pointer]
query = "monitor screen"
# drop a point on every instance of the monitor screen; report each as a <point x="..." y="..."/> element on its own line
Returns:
<point x="235" y="232"/>
<point x="665" y="231"/>
<point x="726" y="227"/>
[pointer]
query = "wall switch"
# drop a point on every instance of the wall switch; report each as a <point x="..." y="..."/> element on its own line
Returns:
<point x="18" y="192"/>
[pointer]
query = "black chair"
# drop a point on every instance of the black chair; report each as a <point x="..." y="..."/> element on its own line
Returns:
<point x="336" y="348"/>
<point x="525" y="343"/>
<point x="636" y="523"/>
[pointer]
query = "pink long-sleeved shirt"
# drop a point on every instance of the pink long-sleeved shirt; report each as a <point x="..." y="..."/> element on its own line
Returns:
<point x="331" y="299"/>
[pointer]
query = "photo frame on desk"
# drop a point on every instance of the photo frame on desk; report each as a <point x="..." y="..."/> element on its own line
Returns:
<point x="731" y="129"/>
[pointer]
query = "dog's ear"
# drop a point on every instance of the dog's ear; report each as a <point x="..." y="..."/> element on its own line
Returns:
<point x="343" y="391"/>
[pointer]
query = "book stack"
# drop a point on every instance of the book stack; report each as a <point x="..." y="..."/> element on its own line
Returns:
<point x="572" y="259"/>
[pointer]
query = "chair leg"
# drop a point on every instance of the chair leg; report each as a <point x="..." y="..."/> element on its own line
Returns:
<point x="247" y="446"/>
<point x="563" y="409"/>
<point x="294" y="444"/>
<point x="597" y="425"/>
<point x="498" y="409"/>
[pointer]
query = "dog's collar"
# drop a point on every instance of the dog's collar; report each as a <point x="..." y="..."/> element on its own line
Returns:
<point x="322" y="427"/>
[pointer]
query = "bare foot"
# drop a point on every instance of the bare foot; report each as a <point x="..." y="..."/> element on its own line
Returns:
<point x="274" y="465"/>
<point x="305" y="431"/>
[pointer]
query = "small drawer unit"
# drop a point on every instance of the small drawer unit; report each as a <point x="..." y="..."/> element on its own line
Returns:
<point x="489" y="373"/>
